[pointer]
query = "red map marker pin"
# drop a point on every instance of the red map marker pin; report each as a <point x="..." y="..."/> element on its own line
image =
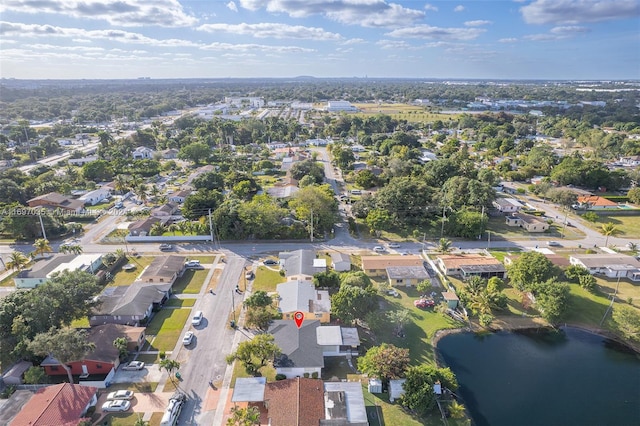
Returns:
<point x="298" y="317"/>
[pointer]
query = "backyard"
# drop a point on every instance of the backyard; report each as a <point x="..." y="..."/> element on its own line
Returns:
<point x="266" y="279"/>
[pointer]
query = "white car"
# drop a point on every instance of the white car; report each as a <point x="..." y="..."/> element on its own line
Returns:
<point x="553" y="244"/>
<point x="197" y="318"/>
<point x="192" y="264"/>
<point x="116" y="405"/>
<point x="134" y="365"/>
<point x="188" y="338"/>
<point x="378" y="249"/>
<point x="393" y="245"/>
<point x="121" y="394"/>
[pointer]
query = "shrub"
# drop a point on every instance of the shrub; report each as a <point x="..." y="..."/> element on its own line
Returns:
<point x="306" y="375"/>
<point x="588" y="282"/>
<point x="280" y="377"/>
<point x="314" y="375"/>
<point x="162" y="354"/>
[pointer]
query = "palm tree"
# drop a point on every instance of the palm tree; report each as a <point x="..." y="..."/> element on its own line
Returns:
<point x="173" y="228"/>
<point x="444" y="245"/>
<point x="184" y="227"/>
<point x="17" y="260"/>
<point x="42" y="246"/>
<point x="141" y="193"/>
<point x="633" y="247"/>
<point x="120" y="253"/>
<point x="122" y="183"/>
<point x="609" y="229"/>
<point x="157" y="229"/>
<point x="70" y="248"/>
<point x="170" y="365"/>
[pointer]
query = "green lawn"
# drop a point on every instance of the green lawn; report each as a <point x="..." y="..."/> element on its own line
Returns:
<point x="499" y="253"/>
<point x="584" y="307"/>
<point x="628" y="225"/>
<point x="136" y="387"/>
<point x="239" y="372"/>
<point x="166" y="326"/>
<point x="128" y="419"/>
<point x="191" y="281"/>
<point x="266" y="279"/>
<point x="148" y="358"/>
<point x="202" y="259"/>
<point x="122" y="278"/>
<point x="626" y="289"/>
<point x="180" y="303"/>
<point x="8" y="280"/>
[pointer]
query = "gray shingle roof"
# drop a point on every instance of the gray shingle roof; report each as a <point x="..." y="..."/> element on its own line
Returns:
<point x="299" y="346"/>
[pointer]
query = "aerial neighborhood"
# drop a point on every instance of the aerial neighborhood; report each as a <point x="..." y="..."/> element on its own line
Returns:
<point x="237" y="253"/>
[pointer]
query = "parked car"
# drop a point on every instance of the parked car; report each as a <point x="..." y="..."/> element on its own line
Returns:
<point x="134" y="365"/>
<point x="116" y="405"/>
<point x="393" y="292"/>
<point x="393" y="245"/>
<point x="121" y="394"/>
<point x="270" y="262"/>
<point x="166" y="247"/>
<point x="197" y="318"/>
<point x="193" y="264"/>
<point x="171" y="414"/>
<point x="378" y="249"/>
<point x="553" y="244"/>
<point x="249" y="275"/>
<point x="424" y="303"/>
<point x="188" y="338"/>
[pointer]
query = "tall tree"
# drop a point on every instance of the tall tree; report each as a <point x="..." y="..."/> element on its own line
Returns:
<point x="608" y="230"/>
<point x="65" y="345"/>
<point x="170" y="365"/>
<point x="351" y="303"/>
<point x="385" y="362"/>
<point x="418" y="388"/>
<point x="41" y="246"/>
<point x="627" y="321"/>
<point x="530" y="268"/>
<point x="255" y="353"/>
<point x="17" y="260"/>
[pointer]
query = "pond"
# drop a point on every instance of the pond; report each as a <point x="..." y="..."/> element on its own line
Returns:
<point x="541" y="377"/>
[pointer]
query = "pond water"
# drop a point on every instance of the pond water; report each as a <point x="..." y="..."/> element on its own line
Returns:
<point x="540" y="377"/>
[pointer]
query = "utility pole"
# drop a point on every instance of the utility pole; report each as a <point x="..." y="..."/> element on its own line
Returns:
<point x="443" y="219"/>
<point x="211" y="229"/>
<point x="44" y="234"/>
<point x="311" y="225"/>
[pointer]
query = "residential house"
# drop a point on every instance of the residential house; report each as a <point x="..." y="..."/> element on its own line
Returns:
<point x="358" y="148"/>
<point x="165" y="212"/>
<point x="127" y="305"/>
<point x="104" y="359"/>
<point x="376" y="266"/>
<point x="44" y="269"/>
<point x="340" y="262"/>
<point x="594" y="202"/>
<point x="630" y="161"/>
<point x="96" y="196"/>
<point x="509" y="188"/>
<point x="303" y="401"/>
<point x="507" y="205"/>
<point x="163" y="270"/>
<point x="82" y="160"/>
<point x="169" y="154"/>
<point x="304" y="348"/>
<point x="301" y="296"/>
<point x="528" y="222"/>
<point x="284" y="188"/>
<point x="612" y="265"/>
<point x="142" y="153"/>
<point x="198" y="172"/>
<point x="141" y="228"/>
<point x="60" y="405"/>
<point x="54" y="201"/>
<point x="468" y="265"/>
<point x="302" y="262"/>
<point x="179" y="196"/>
<point x="14" y="375"/>
<point x="556" y="259"/>
<point x="407" y="275"/>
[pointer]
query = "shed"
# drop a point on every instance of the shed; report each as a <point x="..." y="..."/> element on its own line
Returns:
<point x="395" y="389"/>
<point x="375" y="386"/>
<point x="341" y="261"/>
<point x="451" y="299"/>
<point x="14" y="375"/>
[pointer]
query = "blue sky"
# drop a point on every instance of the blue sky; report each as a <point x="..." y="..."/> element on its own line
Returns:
<point x="528" y="39"/>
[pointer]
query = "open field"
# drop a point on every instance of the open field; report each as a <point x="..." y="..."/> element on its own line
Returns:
<point x="626" y="289"/>
<point x="266" y="279"/>
<point x="411" y="113"/>
<point x="629" y="226"/>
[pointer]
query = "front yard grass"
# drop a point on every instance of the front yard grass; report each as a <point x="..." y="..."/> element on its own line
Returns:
<point x="121" y="278"/>
<point x="8" y="280"/>
<point x="239" y="372"/>
<point x="626" y="289"/>
<point x="128" y="419"/>
<point x="266" y="279"/>
<point x="190" y="282"/>
<point x="166" y="327"/>
<point x="141" y="387"/>
<point x="180" y="303"/>
<point x="629" y="226"/>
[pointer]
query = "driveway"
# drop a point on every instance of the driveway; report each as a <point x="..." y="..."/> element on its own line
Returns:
<point x="141" y="402"/>
<point x="150" y="373"/>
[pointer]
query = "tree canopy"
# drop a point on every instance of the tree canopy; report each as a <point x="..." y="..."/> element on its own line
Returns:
<point x="385" y="362"/>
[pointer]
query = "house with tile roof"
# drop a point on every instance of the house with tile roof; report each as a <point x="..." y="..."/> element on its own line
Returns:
<point x="60" y="405"/>
<point x="297" y="401"/>
<point x="468" y="265"/>
<point x="376" y="266"/>
<point x="594" y="202"/>
<point x="301" y="296"/>
<point x="56" y="201"/>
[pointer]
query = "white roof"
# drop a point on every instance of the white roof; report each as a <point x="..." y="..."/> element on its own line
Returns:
<point x="356" y="412"/>
<point x="329" y="335"/>
<point x="302" y="296"/>
<point x="395" y="388"/>
<point x="320" y="263"/>
<point x="79" y="263"/>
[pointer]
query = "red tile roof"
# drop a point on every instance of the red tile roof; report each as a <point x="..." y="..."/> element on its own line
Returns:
<point x="59" y="405"/>
<point x="594" y="200"/>
<point x="298" y="401"/>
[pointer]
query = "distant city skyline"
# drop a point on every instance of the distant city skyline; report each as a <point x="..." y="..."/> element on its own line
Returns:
<point x="519" y="39"/>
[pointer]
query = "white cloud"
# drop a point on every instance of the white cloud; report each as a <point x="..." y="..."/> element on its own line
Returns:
<point x="559" y="33"/>
<point x="477" y="23"/>
<point x="568" y="30"/>
<point x="393" y="44"/>
<point x="272" y="30"/>
<point x="255" y="47"/>
<point x="354" y="41"/>
<point x="508" y="40"/>
<point x="437" y="33"/>
<point x="126" y="13"/>
<point x="575" y="11"/>
<point x="430" y="7"/>
<point x="232" y="6"/>
<point x="366" y="13"/>
<point x="458" y="8"/>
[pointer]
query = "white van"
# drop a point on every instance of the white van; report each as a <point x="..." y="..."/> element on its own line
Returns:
<point x="356" y="192"/>
<point x="171" y="414"/>
<point x="197" y="318"/>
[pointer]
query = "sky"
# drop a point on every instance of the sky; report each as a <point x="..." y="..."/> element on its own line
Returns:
<point x="508" y="39"/>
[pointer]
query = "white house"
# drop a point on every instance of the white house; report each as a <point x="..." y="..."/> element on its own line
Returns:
<point x="43" y="270"/>
<point x="340" y="106"/>
<point x="179" y="196"/>
<point x="341" y="261"/>
<point x="507" y="205"/>
<point x="96" y="196"/>
<point x="612" y="265"/>
<point x="82" y="160"/>
<point x="142" y="153"/>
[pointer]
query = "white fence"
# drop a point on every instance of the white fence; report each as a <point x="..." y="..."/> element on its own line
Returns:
<point x="167" y="239"/>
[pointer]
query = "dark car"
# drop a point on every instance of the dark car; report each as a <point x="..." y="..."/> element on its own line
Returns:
<point x="166" y="247"/>
<point x="270" y="262"/>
